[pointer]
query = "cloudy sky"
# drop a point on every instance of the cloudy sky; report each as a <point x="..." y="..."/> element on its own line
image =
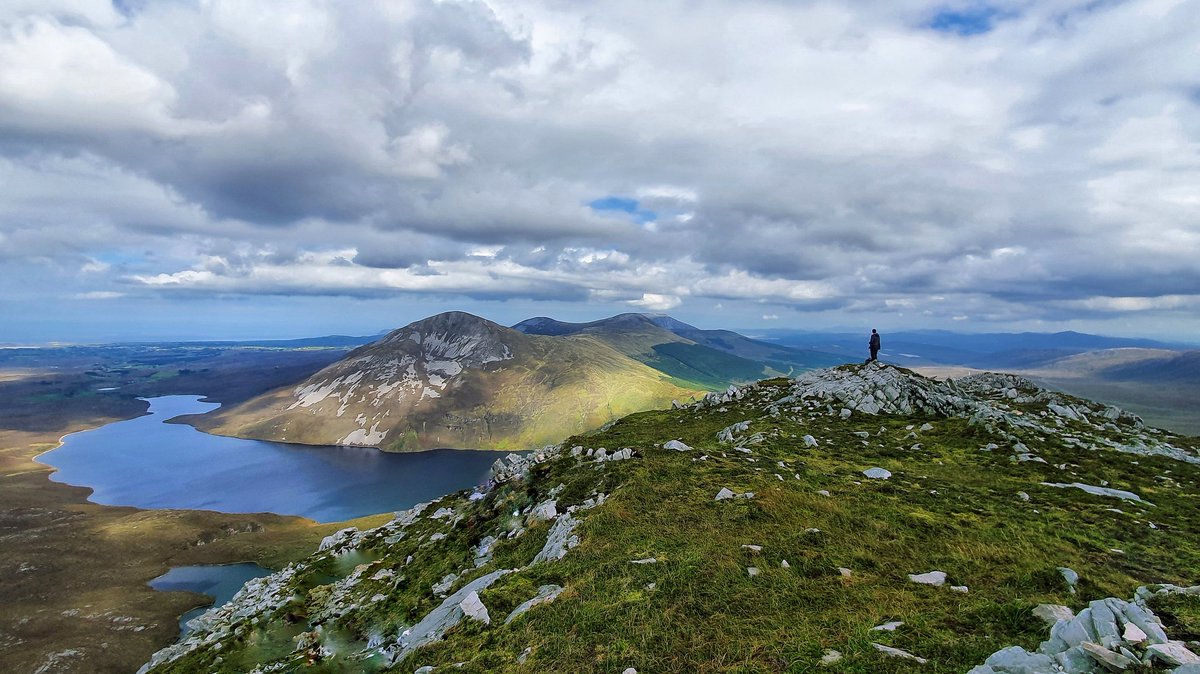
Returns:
<point x="281" y="168"/>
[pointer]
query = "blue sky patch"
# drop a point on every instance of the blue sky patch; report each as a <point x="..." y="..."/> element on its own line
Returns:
<point x="973" y="20"/>
<point x="624" y="205"/>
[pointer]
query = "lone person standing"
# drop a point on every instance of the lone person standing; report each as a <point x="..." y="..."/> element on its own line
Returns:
<point x="874" y="344"/>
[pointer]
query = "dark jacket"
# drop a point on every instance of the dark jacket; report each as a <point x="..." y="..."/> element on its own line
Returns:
<point x="874" y="340"/>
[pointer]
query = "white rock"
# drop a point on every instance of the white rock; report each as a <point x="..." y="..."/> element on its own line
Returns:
<point x="810" y="441"/>
<point x="647" y="560"/>
<point x="1099" y="491"/>
<point x="545" y="595"/>
<point x="560" y="539"/>
<point x="831" y="656"/>
<point x="784" y="564"/>
<point x="897" y="653"/>
<point x="724" y="494"/>
<point x="1111" y="661"/>
<point x="629" y="670"/>
<point x="677" y="446"/>
<point x="752" y="570"/>
<point x="1052" y="613"/>
<point x="960" y="588"/>
<point x="474" y="609"/>
<point x="1173" y="653"/>
<point x="545" y="511"/>
<point x="934" y="578"/>
<point x="889" y="626"/>
<point x="846" y="573"/>
<point x="877" y="473"/>
<point x="926" y="427"/>
<point x="822" y="492"/>
<point x="1133" y="634"/>
<point x="752" y="548"/>
<point x="1070" y="576"/>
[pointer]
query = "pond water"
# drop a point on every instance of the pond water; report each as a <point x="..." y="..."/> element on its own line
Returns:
<point x="219" y="581"/>
<point x="146" y="463"/>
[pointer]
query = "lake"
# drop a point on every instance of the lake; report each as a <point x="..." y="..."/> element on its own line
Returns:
<point x="146" y="463"/>
<point x="219" y="581"/>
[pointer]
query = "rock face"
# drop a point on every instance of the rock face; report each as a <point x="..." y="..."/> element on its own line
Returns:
<point x="454" y="380"/>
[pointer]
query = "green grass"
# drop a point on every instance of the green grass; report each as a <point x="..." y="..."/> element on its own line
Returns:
<point x="705" y="366"/>
<point x="948" y="506"/>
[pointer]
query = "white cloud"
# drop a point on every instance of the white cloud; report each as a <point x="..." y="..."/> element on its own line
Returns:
<point x="862" y="163"/>
<point x="656" y="302"/>
<point x="99" y="295"/>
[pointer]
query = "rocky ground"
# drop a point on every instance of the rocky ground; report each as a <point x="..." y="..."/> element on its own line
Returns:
<point x="859" y="519"/>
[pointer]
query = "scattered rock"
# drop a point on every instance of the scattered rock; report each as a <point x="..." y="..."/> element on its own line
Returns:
<point x="723" y="494"/>
<point x="831" y="656"/>
<point x="784" y="564"/>
<point x="963" y="589"/>
<point x="810" y="441"/>
<point x="647" y="560"/>
<point x="545" y="511"/>
<point x="1173" y="653"/>
<point x="1099" y="491"/>
<point x="560" y="539"/>
<point x="897" y="653"/>
<point x="1070" y="576"/>
<point x="888" y="626"/>
<point x="822" y="492"/>
<point x="545" y="595"/>
<point x="1112" y="661"/>
<point x="677" y="446"/>
<point x="877" y="473"/>
<point x="934" y="578"/>
<point x="846" y="573"/>
<point x="1052" y="613"/>
<point x="752" y="570"/>
<point x="474" y="609"/>
<point x="753" y="548"/>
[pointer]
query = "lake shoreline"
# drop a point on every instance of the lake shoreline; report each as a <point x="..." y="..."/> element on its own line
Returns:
<point x="147" y="463"/>
<point x="78" y="598"/>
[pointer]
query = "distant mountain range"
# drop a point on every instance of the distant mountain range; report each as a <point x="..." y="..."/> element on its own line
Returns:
<point x="1001" y="351"/>
<point x="457" y="380"/>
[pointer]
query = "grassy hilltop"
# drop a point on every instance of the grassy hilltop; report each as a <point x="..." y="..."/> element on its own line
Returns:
<point x="649" y="569"/>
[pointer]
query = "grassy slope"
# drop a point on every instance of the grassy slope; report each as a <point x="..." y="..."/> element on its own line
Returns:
<point x="948" y="506"/>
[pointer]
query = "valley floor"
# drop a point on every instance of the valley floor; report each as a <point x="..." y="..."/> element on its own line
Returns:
<point x="74" y="596"/>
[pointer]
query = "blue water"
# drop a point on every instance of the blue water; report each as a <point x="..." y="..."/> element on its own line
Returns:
<point x="146" y="463"/>
<point x="219" y="581"/>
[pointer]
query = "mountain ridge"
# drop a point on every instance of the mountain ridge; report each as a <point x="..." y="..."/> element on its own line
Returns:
<point x="454" y="380"/>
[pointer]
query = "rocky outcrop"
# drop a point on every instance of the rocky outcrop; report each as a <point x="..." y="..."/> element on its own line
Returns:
<point x="1109" y="635"/>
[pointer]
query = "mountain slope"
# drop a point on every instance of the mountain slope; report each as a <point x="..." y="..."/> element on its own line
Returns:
<point x="454" y="380"/>
<point x="766" y="548"/>
<point x="711" y="358"/>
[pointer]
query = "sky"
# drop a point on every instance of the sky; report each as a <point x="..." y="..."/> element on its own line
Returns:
<point x="225" y="169"/>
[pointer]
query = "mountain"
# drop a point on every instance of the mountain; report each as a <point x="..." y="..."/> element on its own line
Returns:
<point x="454" y="380"/>
<point x="710" y="358"/>
<point x="856" y="519"/>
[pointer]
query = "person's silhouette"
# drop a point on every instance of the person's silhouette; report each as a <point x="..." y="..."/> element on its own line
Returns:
<point x="874" y="344"/>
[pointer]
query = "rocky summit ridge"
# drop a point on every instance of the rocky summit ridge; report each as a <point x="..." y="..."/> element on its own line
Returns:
<point x="856" y="519"/>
